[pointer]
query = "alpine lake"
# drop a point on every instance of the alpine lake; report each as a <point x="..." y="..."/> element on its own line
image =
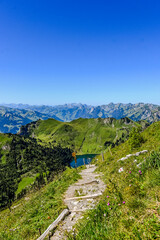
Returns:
<point x="82" y="160"/>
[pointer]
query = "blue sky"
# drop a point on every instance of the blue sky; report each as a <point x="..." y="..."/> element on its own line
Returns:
<point x="93" y="52"/>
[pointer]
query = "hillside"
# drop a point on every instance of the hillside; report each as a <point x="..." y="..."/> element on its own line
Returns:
<point x="69" y="112"/>
<point x="130" y="206"/>
<point x="128" y="209"/>
<point x="12" y="119"/>
<point x="82" y="135"/>
<point x="23" y="161"/>
<point x="32" y="214"/>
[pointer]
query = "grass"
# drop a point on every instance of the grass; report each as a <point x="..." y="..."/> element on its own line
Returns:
<point x="31" y="215"/>
<point x="5" y="140"/>
<point x="130" y="205"/>
<point x="26" y="181"/>
<point x="79" y="193"/>
<point x="128" y="209"/>
<point x="83" y="135"/>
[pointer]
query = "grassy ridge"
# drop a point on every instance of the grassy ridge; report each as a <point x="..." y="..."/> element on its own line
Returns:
<point x="37" y="211"/>
<point x="130" y="206"/>
<point x="82" y="135"/>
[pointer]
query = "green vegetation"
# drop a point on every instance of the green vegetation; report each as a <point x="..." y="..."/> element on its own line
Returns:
<point x="31" y="215"/>
<point x="22" y="158"/>
<point x="16" y="115"/>
<point x="135" y="138"/>
<point x="81" y="135"/>
<point x="129" y="208"/>
<point x="26" y="181"/>
<point x="5" y="141"/>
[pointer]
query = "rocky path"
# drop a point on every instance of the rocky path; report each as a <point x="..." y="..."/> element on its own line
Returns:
<point x="79" y="197"/>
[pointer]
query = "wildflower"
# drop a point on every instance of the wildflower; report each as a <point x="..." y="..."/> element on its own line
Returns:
<point x="139" y="171"/>
<point x="119" y="204"/>
<point x="107" y="196"/>
<point x="130" y="185"/>
<point x="108" y="203"/>
<point x="104" y="214"/>
<point x="129" y="171"/>
<point x="124" y="202"/>
<point x="110" y="208"/>
<point x="120" y="170"/>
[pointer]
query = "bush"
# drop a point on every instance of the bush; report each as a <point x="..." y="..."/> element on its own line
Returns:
<point x="135" y="138"/>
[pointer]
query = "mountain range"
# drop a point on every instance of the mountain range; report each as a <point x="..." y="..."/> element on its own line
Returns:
<point x="12" y="116"/>
<point x="11" y="119"/>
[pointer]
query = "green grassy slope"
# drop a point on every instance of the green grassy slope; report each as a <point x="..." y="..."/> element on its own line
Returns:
<point x="130" y="206"/>
<point x="31" y="215"/>
<point x="5" y="141"/>
<point x="82" y="135"/>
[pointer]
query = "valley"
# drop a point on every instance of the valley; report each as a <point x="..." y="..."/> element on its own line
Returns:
<point x="35" y="173"/>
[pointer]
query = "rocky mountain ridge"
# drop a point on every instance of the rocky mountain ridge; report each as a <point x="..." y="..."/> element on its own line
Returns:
<point x="69" y="112"/>
<point x="12" y="119"/>
<point x="17" y="115"/>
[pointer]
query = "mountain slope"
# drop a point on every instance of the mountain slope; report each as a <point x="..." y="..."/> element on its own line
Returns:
<point x="12" y="119"/>
<point x="81" y="135"/>
<point x="130" y="206"/>
<point x="69" y="112"/>
<point x="24" y="159"/>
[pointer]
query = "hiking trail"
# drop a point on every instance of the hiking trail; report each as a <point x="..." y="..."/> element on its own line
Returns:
<point x="79" y="197"/>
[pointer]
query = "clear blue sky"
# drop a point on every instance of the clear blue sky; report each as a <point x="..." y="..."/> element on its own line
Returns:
<point x="93" y="52"/>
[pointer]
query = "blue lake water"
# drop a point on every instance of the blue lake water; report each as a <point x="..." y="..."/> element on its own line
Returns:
<point x="81" y="158"/>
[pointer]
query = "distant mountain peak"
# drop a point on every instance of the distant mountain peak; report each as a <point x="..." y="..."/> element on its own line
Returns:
<point x="68" y="112"/>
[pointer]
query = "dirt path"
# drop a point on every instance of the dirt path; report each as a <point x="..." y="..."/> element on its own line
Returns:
<point x="79" y="197"/>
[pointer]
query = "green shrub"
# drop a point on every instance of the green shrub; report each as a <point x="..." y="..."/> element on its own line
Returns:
<point x="135" y="138"/>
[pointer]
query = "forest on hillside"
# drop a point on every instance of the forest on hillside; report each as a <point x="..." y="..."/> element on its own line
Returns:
<point x="25" y="157"/>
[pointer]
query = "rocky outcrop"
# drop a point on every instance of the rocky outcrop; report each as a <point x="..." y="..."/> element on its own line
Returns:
<point x="131" y="155"/>
<point x="69" y="112"/>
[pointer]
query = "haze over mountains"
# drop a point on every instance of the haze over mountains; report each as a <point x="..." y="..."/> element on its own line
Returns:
<point x="11" y="119"/>
<point x="12" y="116"/>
